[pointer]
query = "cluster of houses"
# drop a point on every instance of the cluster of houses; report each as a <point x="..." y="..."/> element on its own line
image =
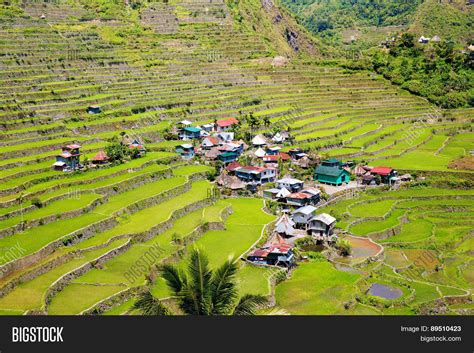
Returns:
<point x="292" y="192"/>
<point x="302" y="222"/>
<point x="69" y="158"/>
<point x="377" y="175"/>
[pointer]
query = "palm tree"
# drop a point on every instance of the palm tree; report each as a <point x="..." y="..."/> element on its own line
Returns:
<point x="147" y="304"/>
<point x="203" y="291"/>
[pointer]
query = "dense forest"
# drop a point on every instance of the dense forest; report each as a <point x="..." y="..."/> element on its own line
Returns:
<point x="326" y="16"/>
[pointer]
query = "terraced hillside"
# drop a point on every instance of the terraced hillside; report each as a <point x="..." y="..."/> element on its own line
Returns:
<point x="426" y="256"/>
<point x="68" y="240"/>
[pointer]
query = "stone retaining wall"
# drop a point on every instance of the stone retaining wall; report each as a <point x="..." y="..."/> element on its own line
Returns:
<point x="20" y="227"/>
<point x="64" y="280"/>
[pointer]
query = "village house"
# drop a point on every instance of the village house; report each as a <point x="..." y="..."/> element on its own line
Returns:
<point x="227" y="157"/>
<point x="368" y="179"/>
<point x="69" y="158"/>
<point x="273" y="151"/>
<point x="331" y="172"/>
<point x="232" y="167"/>
<point x="285" y="226"/>
<point x="190" y="133"/>
<point x="258" y="175"/>
<point x="234" y="147"/>
<point x="100" y="158"/>
<point x="207" y="127"/>
<point x="184" y="123"/>
<point x="209" y="142"/>
<point x="387" y="174"/>
<point x="93" y="109"/>
<point x="276" y="253"/>
<point x="276" y="194"/>
<point x="259" y="141"/>
<point x="280" y="137"/>
<point x="186" y="150"/>
<point x="302" y="216"/>
<point x="275" y="159"/>
<point x="259" y="153"/>
<point x="230" y="182"/>
<point x="299" y="199"/>
<point x="136" y="144"/>
<point x="226" y="124"/>
<point x="322" y="226"/>
<point x="297" y="153"/>
<point x="291" y="184"/>
<point x="225" y="137"/>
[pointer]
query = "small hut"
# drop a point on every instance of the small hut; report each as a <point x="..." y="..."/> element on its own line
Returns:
<point x="100" y="158"/>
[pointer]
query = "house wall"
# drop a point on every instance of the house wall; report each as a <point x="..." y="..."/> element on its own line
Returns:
<point x="301" y="218"/>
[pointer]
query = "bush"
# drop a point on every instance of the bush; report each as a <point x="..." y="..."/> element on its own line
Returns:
<point x="37" y="202"/>
<point x="343" y="246"/>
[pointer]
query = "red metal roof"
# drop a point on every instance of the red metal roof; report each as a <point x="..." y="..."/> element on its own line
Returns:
<point x="66" y="155"/>
<point x="271" y="158"/>
<point x="100" y="156"/>
<point x="260" y="252"/>
<point x="299" y="195"/>
<point x="233" y="166"/>
<point x="381" y="170"/>
<point x="73" y="146"/>
<point x="212" y="140"/>
<point x="227" y="122"/>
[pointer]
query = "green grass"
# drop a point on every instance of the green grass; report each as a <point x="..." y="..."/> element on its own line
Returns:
<point x="316" y="288"/>
<point x="29" y="295"/>
<point x="81" y="296"/>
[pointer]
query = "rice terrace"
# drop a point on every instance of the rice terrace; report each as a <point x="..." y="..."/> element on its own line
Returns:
<point x="140" y="138"/>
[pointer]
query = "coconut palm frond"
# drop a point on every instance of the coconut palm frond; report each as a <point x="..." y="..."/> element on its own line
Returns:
<point x="175" y="278"/>
<point x="148" y="305"/>
<point x="200" y="277"/>
<point x="249" y="303"/>
<point x="224" y="291"/>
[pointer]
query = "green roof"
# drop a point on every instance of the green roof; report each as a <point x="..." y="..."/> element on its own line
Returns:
<point x="331" y="160"/>
<point x="192" y="129"/>
<point x="331" y="171"/>
<point x="227" y="154"/>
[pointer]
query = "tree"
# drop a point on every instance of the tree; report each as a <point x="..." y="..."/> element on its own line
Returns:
<point x="344" y="247"/>
<point x="203" y="291"/>
<point x="116" y="151"/>
<point x="148" y="305"/>
<point x="253" y="121"/>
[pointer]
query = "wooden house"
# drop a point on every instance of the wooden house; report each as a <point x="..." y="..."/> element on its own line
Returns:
<point x="331" y="175"/>
<point x="285" y="226"/>
<point x="100" y="158"/>
<point x="291" y="184"/>
<point x="257" y="175"/>
<point x="297" y="153"/>
<point x="322" y="225"/>
<point x="227" y="157"/>
<point x="273" y="151"/>
<point x="259" y="141"/>
<point x="225" y="137"/>
<point x="226" y="124"/>
<point x="69" y="158"/>
<point x="302" y="215"/>
<point x="387" y="174"/>
<point x="278" y="253"/>
<point x="232" y="167"/>
<point x="186" y="150"/>
<point x="209" y="142"/>
<point x="190" y="133"/>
